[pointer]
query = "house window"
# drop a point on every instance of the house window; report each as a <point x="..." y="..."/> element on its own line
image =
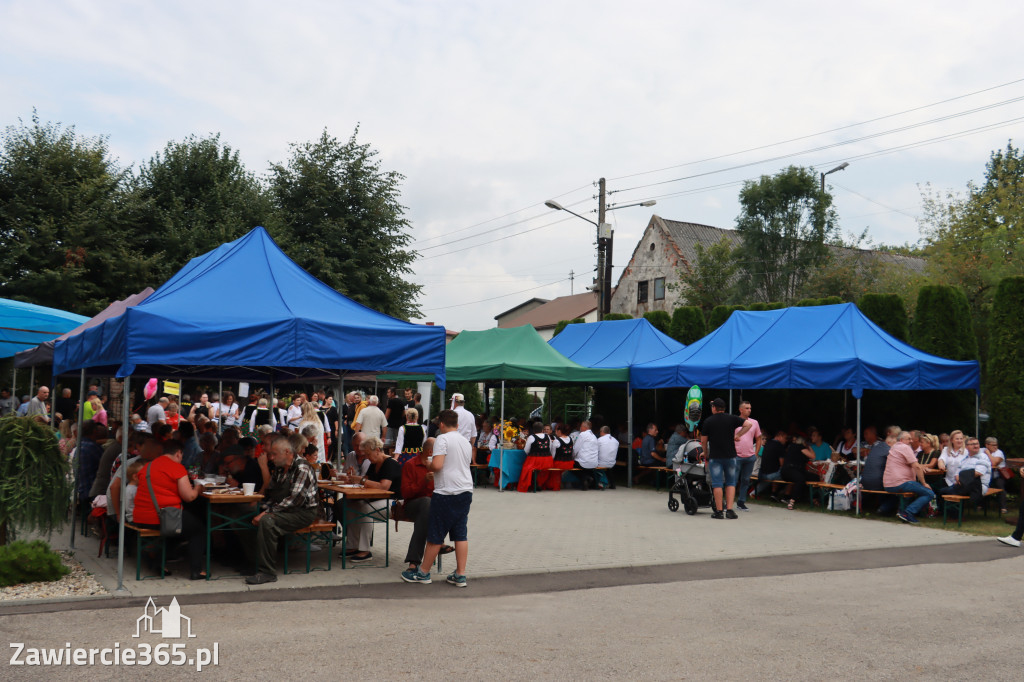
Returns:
<point x="659" y="289"/>
<point x="641" y="292"/>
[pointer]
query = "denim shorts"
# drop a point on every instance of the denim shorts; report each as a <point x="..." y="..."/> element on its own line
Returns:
<point x="723" y="468"/>
<point x="448" y="516"/>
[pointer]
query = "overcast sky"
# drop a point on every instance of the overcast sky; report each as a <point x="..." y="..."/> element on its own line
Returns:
<point x="490" y="108"/>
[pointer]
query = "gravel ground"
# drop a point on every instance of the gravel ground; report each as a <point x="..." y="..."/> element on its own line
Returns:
<point x="77" y="583"/>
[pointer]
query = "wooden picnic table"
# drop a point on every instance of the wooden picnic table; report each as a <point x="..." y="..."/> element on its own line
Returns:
<point x="361" y="494"/>
<point x="236" y="522"/>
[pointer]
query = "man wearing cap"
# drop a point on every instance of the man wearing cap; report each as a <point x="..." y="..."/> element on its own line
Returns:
<point x="467" y="422"/>
<point x="721" y="431"/>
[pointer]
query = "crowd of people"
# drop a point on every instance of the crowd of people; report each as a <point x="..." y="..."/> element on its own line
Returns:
<point x="282" y="449"/>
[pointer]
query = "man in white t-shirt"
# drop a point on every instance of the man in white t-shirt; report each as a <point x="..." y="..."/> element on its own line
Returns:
<point x="467" y="422"/>
<point x="746" y="454"/>
<point x="585" y="452"/>
<point x="607" y="451"/>
<point x="449" y="506"/>
<point x="156" y="414"/>
<point x="371" y="420"/>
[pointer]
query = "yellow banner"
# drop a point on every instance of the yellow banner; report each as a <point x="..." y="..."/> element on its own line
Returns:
<point x="172" y="388"/>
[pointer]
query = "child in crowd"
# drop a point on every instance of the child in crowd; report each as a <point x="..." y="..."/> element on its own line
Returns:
<point x="133" y="487"/>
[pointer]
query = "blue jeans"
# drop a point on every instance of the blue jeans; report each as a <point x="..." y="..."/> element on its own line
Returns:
<point x="923" y="492"/>
<point x="746" y="468"/>
<point x="765" y="482"/>
<point x="723" y="469"/>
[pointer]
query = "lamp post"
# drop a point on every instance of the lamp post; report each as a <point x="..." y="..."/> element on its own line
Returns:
<point x="604" y="244"/>
<point x="840" y="167"/>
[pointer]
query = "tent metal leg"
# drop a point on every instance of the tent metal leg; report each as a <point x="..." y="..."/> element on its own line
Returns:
<point x="14" y="384"/>
<point x="730" y="401"/>
<point x="32" y="382"/>
<point x="78" y="443"/>
<point x="856" y="441"/>
<point x="126" y="412"/>
<point x="629" y="435"/>
<point x="501" y="439"/>
<point x="220" y="402"/>
<point x="341" y="421"/>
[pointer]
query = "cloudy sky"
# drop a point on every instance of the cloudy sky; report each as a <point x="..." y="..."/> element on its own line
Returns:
<point x="490" y="108"/>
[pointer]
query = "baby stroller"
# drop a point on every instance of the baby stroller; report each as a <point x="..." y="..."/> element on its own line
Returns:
<point x="691" y="479"/>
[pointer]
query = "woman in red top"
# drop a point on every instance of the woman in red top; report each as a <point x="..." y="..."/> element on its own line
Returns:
<point x="172" y="488"/>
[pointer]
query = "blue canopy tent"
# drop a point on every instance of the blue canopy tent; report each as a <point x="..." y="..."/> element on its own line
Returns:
<point x="25" y="325"/>
<point x="247" y="311"/>
<point x="616" y="343"/>
<point x="822" y="347"/>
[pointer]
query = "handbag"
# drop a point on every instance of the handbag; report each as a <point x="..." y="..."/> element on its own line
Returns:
<point x="1005" y="472"/>
<point x="170" y="517"/>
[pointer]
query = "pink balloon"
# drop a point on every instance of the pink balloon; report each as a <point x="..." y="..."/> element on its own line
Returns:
<point x="150" y="390"/>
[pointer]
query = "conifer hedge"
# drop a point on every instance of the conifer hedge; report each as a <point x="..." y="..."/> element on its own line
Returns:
<point x="888" y="312"/>
<point x="1006" y="366"/>
<point x="688" y="324"/>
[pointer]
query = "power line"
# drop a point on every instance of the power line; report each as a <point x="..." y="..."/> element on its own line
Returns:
<point x="824" y="147"/>
<point x="494" y="298"/>
<point x="866" y="198"/>
<point x="497" y="239"/>
<point x="824" y="132"/>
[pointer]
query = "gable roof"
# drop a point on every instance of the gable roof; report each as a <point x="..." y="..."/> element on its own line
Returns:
<point x="685" y="237"/>
<point x="555" y="310"/>
<point x="512" y="310"/>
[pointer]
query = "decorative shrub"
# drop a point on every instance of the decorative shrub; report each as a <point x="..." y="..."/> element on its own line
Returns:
<point x="618" y="316"/>
<point x="29" y="562"/>
<point x="660" y="319"/>
<point x="719" y="314"/>
<point x="34" y="482"/>
<point x="888" y="312"/>
<point x="688" y="324"/>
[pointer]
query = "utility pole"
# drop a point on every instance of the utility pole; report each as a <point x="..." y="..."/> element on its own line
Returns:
<point x="604" y="240"/>
<point x="571" y="273"/>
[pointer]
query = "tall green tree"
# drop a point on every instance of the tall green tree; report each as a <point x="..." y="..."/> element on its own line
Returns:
<point x="942" y="326"/>
<point x="688" y="324"/>
<point x="344" y="222"/>
<point x="786" y="222"/>
<point x="59" y="212"/>
<point x="975" y="239"/>
<point x="709" y="282"/>
<point x="1005" y="384"/>
<point x="888" y="312"/>
<point x="193" y="197"/>
<point x="720" y="314"/>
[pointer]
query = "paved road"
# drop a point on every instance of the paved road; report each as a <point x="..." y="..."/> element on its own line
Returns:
<point x="931" y="621"/>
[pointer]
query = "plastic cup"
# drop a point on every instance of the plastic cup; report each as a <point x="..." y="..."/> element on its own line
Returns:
<point x="248" y="488"/>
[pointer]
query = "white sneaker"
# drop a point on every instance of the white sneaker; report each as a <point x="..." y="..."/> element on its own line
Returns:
<point x="1010" y="540"/>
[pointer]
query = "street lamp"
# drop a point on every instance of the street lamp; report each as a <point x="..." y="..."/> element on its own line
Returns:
<point x="840" y="167"/>
<point x="604" y="245"/>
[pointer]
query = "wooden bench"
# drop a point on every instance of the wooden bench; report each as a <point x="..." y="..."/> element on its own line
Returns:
<point x="318" y="530"/>
<point x="148" y="538"/>
<point x="959" y="500"/>
<point x="533" y="474"/>
<point x="824" y="490"/>
<point x="477" y="469"/>
<point x="659" y="472"/>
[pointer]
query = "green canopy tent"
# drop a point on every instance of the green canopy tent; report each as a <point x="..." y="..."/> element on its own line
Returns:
<point x="517" y="356"/>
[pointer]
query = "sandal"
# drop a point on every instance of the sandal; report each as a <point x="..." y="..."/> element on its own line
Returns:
<point x="792" y="503"/>
<point x="446" y="549"/>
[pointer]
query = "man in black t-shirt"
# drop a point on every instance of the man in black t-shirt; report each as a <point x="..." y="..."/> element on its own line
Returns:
<point x="394" y="412"/>
<point x="718" y="438"/>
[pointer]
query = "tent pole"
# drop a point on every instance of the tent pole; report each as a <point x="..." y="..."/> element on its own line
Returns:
<point x="32" y="380"/>
<point x="14" y="386"/>
<point x="856" y="446"/>
<point x="125" y="409"/>
<point x="273" y="401"/>
<point x="220" y="404"/>
<point x="629" y="436"/>
<point x="730" y="401"/>
<point x="501" y="439"/>
<point x="845" y="391"/>
<point x="341" y="421"/>
<point x="78" y="444"/>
